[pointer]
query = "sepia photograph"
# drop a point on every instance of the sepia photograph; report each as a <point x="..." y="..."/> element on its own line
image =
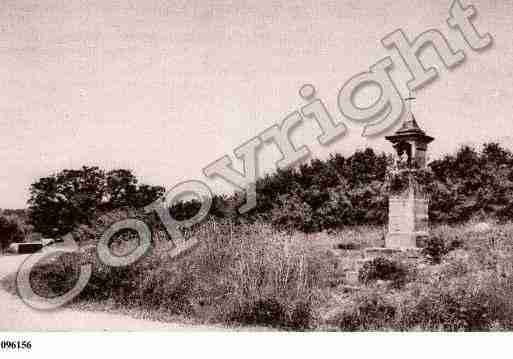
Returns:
<point x="255" y="168"/>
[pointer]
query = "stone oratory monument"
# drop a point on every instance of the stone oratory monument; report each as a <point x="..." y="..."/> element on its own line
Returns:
<point x="408" y="202"/>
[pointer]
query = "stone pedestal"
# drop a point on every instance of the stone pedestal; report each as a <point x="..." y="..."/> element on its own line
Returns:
<point x="408" y="212"/>
<point x="407" y="220"/>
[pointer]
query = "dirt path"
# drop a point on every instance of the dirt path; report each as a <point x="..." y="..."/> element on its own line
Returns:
<point x="15" y="315"/>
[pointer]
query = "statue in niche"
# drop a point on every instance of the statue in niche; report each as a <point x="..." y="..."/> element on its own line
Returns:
<point x="404" y="152"/>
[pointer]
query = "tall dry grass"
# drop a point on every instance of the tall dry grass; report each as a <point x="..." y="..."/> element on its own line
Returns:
<point x="471" y="289"/>
<point x="244" y="274"/>
<point x="251" y="274"/>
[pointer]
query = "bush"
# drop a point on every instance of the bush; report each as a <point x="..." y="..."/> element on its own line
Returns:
<point x="434" y="249"/>
<point x="55" y="275"/>
<point x="454" y="244"/>
<point x="293" y="215"/>
<point x="383" y="269"/>
<point x="474" y="301"/>
<point x="266" y="311"/>
<point x="271" y="312"/>
<point x="302" y="316"/>
<point x="367" y="311"/>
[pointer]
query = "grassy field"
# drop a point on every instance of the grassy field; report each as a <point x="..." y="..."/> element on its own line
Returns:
<point x="251" y="275"/>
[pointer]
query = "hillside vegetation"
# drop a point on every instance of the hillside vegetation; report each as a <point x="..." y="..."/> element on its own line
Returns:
<point x="344" y="191"/>
<point x="321" y="195"/>
<point x="267" y="267"/>
<point x="252" y="275"/>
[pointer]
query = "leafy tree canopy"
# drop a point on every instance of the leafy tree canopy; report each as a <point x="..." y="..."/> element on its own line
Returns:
<point x="60" y="202"/>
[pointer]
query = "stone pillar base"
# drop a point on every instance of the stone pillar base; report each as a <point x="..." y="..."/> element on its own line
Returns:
<point x="393" y="253"/>
<point x="405" y="240"/>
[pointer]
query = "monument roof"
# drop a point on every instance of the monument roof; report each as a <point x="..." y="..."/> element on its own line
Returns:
<point x="410" y="129"/>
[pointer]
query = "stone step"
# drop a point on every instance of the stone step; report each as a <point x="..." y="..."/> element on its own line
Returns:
<point x="396" y="253"/>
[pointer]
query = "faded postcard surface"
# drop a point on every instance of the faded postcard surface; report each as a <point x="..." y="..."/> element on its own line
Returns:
<point x="256" y="166"/>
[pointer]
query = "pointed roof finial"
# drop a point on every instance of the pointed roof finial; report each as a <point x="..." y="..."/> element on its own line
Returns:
<point x="410" y="98"/>
<point x="410" y="128"/>
<point x="410" y="123"/>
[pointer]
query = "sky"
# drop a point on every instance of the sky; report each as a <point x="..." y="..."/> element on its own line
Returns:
<point x="167" y="87"/>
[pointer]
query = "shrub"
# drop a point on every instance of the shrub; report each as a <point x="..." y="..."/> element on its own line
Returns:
<point x="266" y="311"/>
<point x="454" y="244"/>
<point x="381" y="268"/>
<point x="434" y="249"/>
<point x="367" y="311"/>
<point x="302" y="316"/>
<point x="474" y="301"/>
<point x="293" y="215"/>
<point x="55" y="275"/>
<point x="274" y="313"/>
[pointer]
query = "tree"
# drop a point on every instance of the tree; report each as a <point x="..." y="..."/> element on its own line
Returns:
<point x="60" y="202"/>
<point x="122" y="188"/>
<point x="10" y="231"/>
<point x="293" y="214"/>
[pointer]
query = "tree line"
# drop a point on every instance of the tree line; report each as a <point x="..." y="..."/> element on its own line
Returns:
<point x="320" y="195"/>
